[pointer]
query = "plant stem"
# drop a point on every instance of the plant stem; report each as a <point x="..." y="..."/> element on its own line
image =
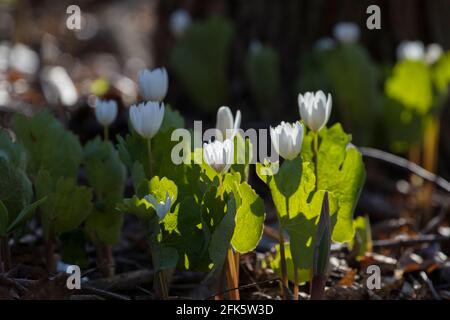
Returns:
<point x="315" y="153"/>
<point x="430" y="151"/>
<point x="284" y="275"/>
<point x="221" y="283"/>
<point x="2" y="268"/>
<point x="295" y="283"/>
<point x="163" y="285"/>
<point x="318" y="287"/>
<point x="105" y="133"/>
<point x="6" y="253"/>
<point x="232" y="280"/>
<point x="50" y="254"/>
<point x="105" y="260"/>
<point x="221" y="187"/>
<point x="237" y="258"/>
<point x="149" y="150"/>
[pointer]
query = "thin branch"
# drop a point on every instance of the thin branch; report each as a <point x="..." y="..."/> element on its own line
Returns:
<point x="406" y="164"/>
<point x="251" y="285"/>
<point x="409" y="241"/>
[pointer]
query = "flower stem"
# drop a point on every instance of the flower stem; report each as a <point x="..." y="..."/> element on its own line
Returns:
<point x="295" y="283"/>
<point x="6" y="253"/>
<point x="232" y="280"/>
<point x="284" y="275"/>
<point x="105" y="133"/>
<point x="315" y="153"/>
<point x="105" y="260"/>
<point x="318" y="287"/>
<point x="430" y="152"/>
<point x="163" y="285"/>
<point x="221" y="186"/>
<point x="149" y="150"/>
<point x="50" y="254"/>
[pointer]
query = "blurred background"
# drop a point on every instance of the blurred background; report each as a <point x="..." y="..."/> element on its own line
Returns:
<point x="253" y="55"/>
<point x="390" y="86"/>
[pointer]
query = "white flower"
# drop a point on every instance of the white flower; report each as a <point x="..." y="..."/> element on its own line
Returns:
<point x="225" y="122"/>
<point x="324" y="44"/>
<point x="180" y="20"/>
<point x="411" y="50"/>
<point x="219" y="155"/>
<point x="147" y="118"/>
<point x="105" y="111"/>
<point x="346" y="32"/>
<point x="287" y="139"/>
<point x="153" y="84"/>
<point x="315" y="109"/>
<point x="161" y="207"/>
<point x="434" y="52"/>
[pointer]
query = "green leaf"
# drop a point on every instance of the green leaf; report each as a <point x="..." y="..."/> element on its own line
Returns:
<point x="164" y="257"/>
<point x="73" y="248"/>
<point x="172" y="120"/>
<point x="159" y="188"/>
<point x="67" y="205"/>
<point x="105" y="226"/>
<point x="222" y="235"/>
<point x="133" y="151"/>
<point x="3" y="219"/>
<point x="322" y="240"/>
<point x="140" y="207"/>
<point x="183" y="230"/>
<point x="403" y="126"/>
<point x="49" y="145"/>
<point x="340" y="170"/>
<point x="104" y="170"/>
<point x="106" y="174"/>
<point x="363" y="236"/>
<point x="417" y="94"/>
<point x="13" y="152"/>
<point x="25" y="214"/>
<point x="15" y="188"/>
<point x="353" y="80"/>
<point x="303" y="275"/>
<point x="441" y="74"/>
<point x="290" y="187"/>
<point x="243" y="154"/>
<point x="249" y="219"/>
<point x="200" y="61"/>
<point x="302" y="228"/>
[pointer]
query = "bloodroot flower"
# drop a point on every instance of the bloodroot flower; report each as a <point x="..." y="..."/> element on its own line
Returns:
<point x="315" y="109"/>
<point x="287" y="139"/>
<point x="226" y="122"/>
<point x="153" y="84"/>
<point x="105" y="111"/>
<point x="219" y="155"/>
<point x="147" y="118"/>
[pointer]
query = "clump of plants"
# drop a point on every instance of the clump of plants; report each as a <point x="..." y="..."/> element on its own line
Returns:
<point x="195" y="201"/>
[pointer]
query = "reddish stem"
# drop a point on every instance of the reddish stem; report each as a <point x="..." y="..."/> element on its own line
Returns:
<point x="318" y="287"/>
<point x="5" y="253"/>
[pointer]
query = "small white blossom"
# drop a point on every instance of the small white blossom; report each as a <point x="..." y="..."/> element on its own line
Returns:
<point x="315" y="109"/>
<point x="411" y="50"/>
<point x="346" y="32"/>
<point x="287" y="139"/>
<point x="219" y="155"/>
<point x="226" y="123"/>
<point x="161" y="207"/>
<point x="434" y="53"/>
<point x="147" y="118"/>
<point x="153" y="84"/>
<point x="105" y="111"/>
<point x="180" y="20"/>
